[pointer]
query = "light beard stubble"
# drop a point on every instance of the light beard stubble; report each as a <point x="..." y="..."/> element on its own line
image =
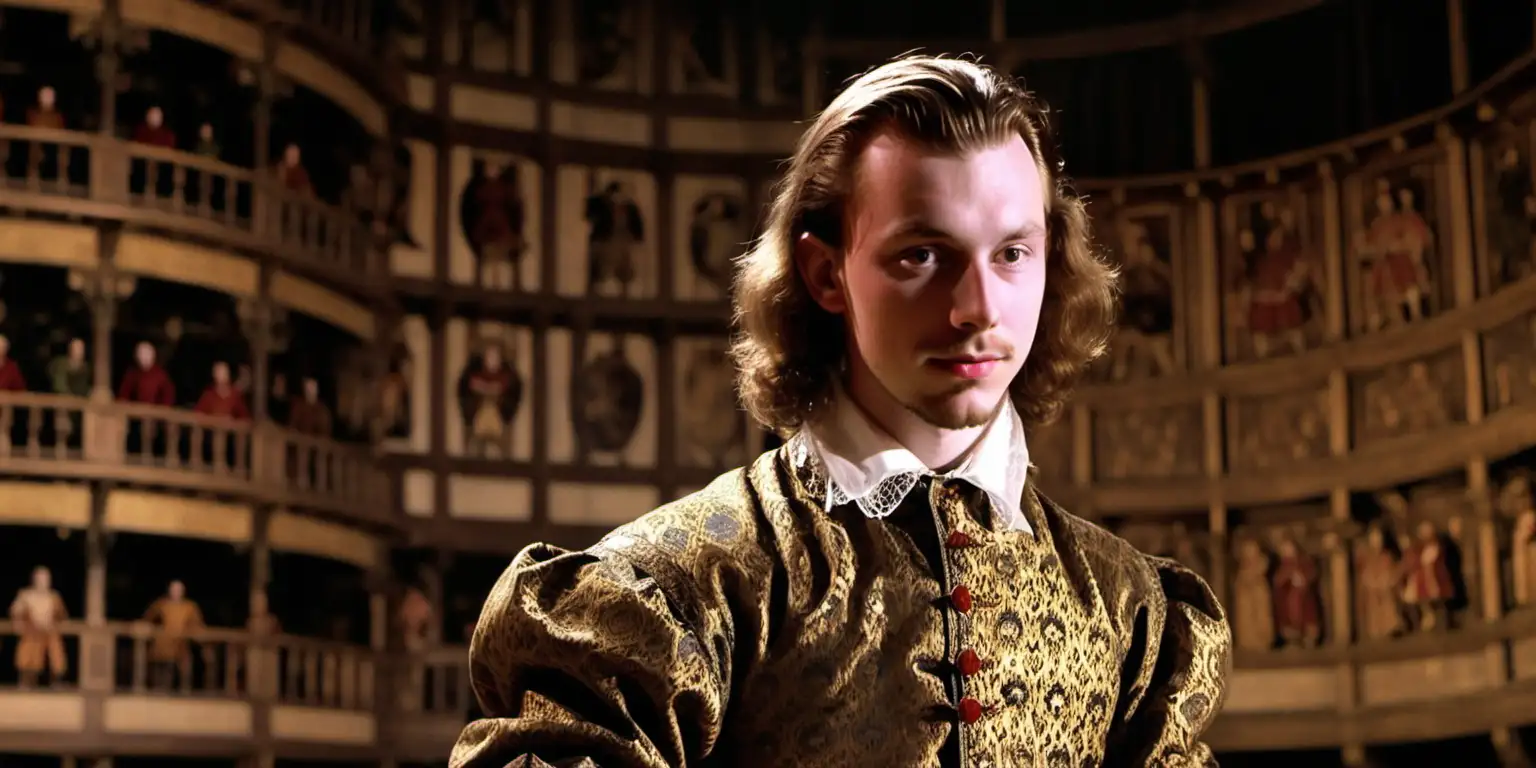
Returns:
<point x="931" y="410"/>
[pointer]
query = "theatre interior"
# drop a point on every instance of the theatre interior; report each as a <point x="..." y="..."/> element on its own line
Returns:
<point x="314" y="312"/>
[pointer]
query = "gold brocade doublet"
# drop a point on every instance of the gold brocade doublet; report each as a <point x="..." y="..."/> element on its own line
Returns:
<point x="747" y="626"/>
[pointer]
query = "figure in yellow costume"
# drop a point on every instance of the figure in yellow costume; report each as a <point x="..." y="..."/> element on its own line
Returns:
<point x="37" y="611"/>
<point x="888" y="588"/>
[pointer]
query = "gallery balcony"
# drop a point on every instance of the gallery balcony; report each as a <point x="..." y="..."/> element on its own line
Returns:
<point x="68" y="438"/>
<point x="88" y="176"/>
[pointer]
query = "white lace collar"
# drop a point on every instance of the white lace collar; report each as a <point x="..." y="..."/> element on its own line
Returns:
<point x="869" y="468"/>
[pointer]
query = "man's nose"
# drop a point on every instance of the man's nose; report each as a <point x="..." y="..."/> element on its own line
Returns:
<point x="975" y="298"/>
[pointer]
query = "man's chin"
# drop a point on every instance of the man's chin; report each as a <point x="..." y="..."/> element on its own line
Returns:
<point x="962" y="410"/>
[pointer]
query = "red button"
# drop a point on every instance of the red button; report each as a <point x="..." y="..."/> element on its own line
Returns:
<point x="969" y="709"/>
<point x="961" y="599"/>
<point x="958" y="540"/>
<point x="968" y="662"/>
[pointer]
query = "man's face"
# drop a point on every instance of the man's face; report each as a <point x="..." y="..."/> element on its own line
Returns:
<point x="943" y="275"/>
<point x="177" y="590"/>
<point x="144" y="354"/>
<point x="42" y="579"/>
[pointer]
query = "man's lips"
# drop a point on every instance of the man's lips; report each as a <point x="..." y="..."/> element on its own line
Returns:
<point x="967" y="366"/>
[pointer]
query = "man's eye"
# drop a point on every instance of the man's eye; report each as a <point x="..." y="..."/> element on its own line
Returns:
<point x="919" y="257"/>
<point x="1017" y="254"/>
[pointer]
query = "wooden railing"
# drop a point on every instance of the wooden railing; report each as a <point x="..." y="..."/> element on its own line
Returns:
<point x="59" y="436"/>
<point x="84" y="174"/>
<point x="443" y="684"/>
<point x="353" y="23"/>
<point x="222" y="663"/>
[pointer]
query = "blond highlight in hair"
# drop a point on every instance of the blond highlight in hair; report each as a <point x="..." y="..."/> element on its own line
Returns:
<point x="788" y="349"/>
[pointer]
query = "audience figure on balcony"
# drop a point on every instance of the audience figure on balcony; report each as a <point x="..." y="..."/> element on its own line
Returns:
<point x="43" y="161"/>
<point x="1378" y="593"/>
<point x="146" y="382"/>
<point x="1298" y="615"/>
<point x="291" y="173"/>
<point x="37" y="611"/>
<point x="1253" y="607"/>
<point x="70" y="373"/>
<point x="222" y="398"/>
<point x="490" y="393"/>
<point x="309" y="415"/>
<point x="279" y="403"/>
<point x="1427" y="586"/>
<point x="207" y="146"/>
<point x="178" y="619"/>
<point x="1393" y="250"/>
<point x="153" y="130"/>
<point x="45" y="113"/>
<point x="617" y="230"/>
<point x="11" y="378"/>
<point x="491" y="213"/>
<point x="153" y="177"/>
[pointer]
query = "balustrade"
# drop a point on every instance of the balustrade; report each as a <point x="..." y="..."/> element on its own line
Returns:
<point x="80" y="174"/>
<point x="442" y="682"/>
<point x="220" y="663"/>
<point x="353" y="23"/>
<point x="54" y="435"/>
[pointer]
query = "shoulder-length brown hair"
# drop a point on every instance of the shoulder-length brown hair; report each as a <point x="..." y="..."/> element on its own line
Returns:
<point x="788" y="349"/>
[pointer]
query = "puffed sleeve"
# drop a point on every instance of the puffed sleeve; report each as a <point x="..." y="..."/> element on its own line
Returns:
<point x="1174" y="673"/>
<point x="621" y="655"/>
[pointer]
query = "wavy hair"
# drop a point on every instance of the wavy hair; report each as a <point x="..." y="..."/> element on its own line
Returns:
<point x="787" y="349"/>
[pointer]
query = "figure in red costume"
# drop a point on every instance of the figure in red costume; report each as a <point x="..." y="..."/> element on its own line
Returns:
<point x="1298" y="615"/>
<point x="1395" y="243"/>
<point x="1427" y="584"/>
<point x="222" y="397"/>
<point x="1280" y="279"/>
<point x="11" y="379"/>
<point x="291" y="174"/>
<point x="146" y="382"/>
<point x="153" y="130"/>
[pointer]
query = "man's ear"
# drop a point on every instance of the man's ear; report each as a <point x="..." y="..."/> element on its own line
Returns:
<point x="821" y="269"/>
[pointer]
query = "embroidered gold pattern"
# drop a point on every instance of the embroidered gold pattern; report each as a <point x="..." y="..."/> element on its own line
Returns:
<point x="746" y="626"/>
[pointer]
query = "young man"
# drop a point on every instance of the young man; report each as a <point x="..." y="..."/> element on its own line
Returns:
<point x="888" y="588"/>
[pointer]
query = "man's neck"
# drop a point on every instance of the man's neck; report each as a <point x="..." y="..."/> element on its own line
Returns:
<point x="939" y="449"/>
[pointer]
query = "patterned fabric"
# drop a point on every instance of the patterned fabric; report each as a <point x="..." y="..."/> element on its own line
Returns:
<point x="746" y="625"/>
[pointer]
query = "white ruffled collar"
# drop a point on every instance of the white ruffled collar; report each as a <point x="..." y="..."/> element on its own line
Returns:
<point x="867" y="467"/>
